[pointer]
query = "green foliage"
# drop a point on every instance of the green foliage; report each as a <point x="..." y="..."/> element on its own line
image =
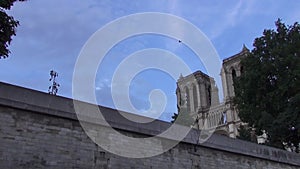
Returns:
<point x="174" y="117"/>
<point x="268" y="91"/>
<point x="7" y="27"/>
<point x="244" y="133"/>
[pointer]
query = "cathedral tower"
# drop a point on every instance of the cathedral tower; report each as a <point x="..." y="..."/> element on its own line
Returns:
<point x="231" y="69"/>
<point x="196" y="93"/>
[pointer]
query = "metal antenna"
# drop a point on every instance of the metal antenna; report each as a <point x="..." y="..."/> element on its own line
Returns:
<point x="54" y="87"/>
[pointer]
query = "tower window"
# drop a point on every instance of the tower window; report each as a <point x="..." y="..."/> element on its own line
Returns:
<point x="233" y="73"/>
<point x="242" y="69"/>
<point x="187" y="98"/>
<point x="195" y="98"/>
<point x="209" y="95"/>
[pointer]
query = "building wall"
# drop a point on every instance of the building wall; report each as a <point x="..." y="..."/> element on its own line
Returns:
<point x="230" y="65"/>
<point x="231" y="68"/>
<point x="196" y="92"/>
<point x="38" y="130"/>
<point x="212" y="115"/>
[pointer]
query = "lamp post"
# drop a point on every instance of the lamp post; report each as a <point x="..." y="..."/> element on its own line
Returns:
<point x="53" y="89"/>
<point x="295" y="138"/>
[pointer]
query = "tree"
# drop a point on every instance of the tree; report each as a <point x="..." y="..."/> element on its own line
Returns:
<point x="244" y="133"/>
<point x="174" y="117"/>
<point x="7" y="27"/>
<point x="267" y="94"/>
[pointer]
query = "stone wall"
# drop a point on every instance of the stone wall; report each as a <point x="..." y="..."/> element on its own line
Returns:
<point x="38" y="130"/>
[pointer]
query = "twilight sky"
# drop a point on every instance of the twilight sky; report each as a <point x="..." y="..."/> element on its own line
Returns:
<point x="52" y="33"/>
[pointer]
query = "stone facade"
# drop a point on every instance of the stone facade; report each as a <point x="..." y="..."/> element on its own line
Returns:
<point x="38" y="130"/>
<point x="231" y="68"/>
<point x="198" y="94"/>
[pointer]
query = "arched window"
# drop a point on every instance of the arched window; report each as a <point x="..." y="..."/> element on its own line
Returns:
<point x="187" y="99"/>
<point x="233" y="73"/>
<point x="195" y="98"/>
<point x="242" y="69"/>
<point x="224" y="117"/>
<point x="179" y="97"/>
<point x="209" y="95"/>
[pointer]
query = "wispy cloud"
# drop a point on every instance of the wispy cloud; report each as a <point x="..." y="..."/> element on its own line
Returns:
<point x="52" y="33"/>
<point x="103" y="84"/>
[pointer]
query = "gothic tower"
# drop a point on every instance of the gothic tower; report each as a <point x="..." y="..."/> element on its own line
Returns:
<point x="231" y="69"/>
<point x="196" y="93"/>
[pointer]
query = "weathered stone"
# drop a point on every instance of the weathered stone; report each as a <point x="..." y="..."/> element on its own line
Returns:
<point x="35" y="134"/>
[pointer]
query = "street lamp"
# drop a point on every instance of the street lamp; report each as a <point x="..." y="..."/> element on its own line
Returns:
<point x="293" y="139"/>
<point x="53" y="89"/>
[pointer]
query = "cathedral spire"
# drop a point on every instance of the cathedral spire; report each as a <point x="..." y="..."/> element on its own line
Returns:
<point x="245" y="48"/>
<point x="180" y="76"/>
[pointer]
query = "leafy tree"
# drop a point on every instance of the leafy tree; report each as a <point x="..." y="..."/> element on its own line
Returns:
<point x="267" y="94"/>
<point x="174" y="117"/>
<point x="244" y="133"/>
<point x="7" y="27"/>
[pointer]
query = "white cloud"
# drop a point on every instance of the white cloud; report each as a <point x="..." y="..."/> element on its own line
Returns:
<point x="104" y="83"/>
<point x="51" y="34"/>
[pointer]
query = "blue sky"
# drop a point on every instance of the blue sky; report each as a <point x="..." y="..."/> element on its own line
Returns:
<point x="52" y="33"/>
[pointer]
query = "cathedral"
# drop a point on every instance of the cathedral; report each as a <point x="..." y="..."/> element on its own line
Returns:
<point x="198" y="94"/>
